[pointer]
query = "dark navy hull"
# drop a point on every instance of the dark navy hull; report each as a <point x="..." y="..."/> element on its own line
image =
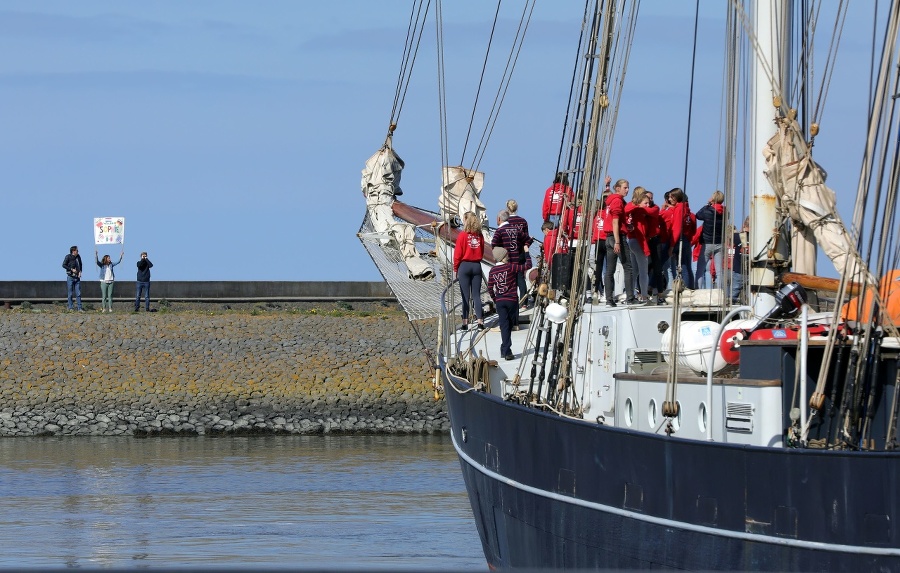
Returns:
<point x="552" y="492"/>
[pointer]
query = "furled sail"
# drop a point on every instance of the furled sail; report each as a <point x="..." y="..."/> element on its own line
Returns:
<point x="459" y="194"/>
<point x="380" y="185"/>
<point x="799" y="183"/>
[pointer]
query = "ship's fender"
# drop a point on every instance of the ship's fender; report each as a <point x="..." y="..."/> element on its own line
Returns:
<point x="692" y="348"/>
<point x="732" y="337"/>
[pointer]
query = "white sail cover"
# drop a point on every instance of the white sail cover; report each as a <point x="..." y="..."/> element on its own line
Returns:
<point x="799" y="183"/>
<point x="459" y="194"/>
<point x="380" y="185"/>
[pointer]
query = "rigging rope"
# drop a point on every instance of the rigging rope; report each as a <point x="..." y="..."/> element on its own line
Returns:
<point x="687" y="144"/>
<point x="410" y="50"/>
<point x="511" y="61"/>
<point x="480" y="82"/>
<point x="442" y="86"/>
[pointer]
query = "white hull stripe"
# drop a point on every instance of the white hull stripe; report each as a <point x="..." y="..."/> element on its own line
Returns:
<point x="669" y="523"/>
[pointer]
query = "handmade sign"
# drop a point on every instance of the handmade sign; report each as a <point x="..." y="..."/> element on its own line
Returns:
<point x="109" y="231"/>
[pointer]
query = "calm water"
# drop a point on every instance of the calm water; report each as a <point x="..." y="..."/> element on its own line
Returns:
<point x="349" y="502"/>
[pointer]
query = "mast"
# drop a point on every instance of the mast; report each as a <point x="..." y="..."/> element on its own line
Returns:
<point x="767" y="246"/>
<point x="590" y="175"/>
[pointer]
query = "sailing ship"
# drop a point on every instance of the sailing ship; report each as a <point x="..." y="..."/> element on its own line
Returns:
<point x="703" y="433"/>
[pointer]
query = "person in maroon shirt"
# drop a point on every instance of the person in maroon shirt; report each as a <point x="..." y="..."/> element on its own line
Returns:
<point x="516" y="221"/>
<point x="467" y="254"/>
<point x="502" y="288"/>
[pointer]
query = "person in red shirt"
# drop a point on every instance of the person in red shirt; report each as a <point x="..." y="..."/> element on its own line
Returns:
<point x="665" y="240"/>
<point x="555" y="199"/>
<point x="552" y="243"/>
<point x="696" y="247"/>
<point x="636" y="224"/>
<point x="599" y="239"/>
<point x="467" y="254"/>
<point x="616" y="245"/>
<point x="683" y="226"/>
<point x="653" y="225"/>
<point x="572" y="225"/>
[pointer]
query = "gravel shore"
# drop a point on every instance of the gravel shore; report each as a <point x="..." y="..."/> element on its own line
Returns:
<point x="206" y="368"/>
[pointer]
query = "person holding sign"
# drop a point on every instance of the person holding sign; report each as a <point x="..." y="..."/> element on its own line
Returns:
<point x="107" y="278"/>
<point x="72" y="264"/>
<point x="143" y="282"/>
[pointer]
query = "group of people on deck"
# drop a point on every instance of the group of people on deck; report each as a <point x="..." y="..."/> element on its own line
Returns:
<point x="651" y="242"/>
<point x="506" y="281"/>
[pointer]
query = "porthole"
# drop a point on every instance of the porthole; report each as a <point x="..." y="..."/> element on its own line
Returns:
<point x="701" y="417"/>
<point x="651" y="413"/>
<point x="676" y="421"/>
<point x="629" y="412"/>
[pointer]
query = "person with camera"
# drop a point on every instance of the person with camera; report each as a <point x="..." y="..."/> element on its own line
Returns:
<point x="143" y="282"/>
<point x="72" y="264"/>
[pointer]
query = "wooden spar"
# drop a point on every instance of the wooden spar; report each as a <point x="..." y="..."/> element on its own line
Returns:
<point x="421" y="218"/>
<point x="820" y="283"/>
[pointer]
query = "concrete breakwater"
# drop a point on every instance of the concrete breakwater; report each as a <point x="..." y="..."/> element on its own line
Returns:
<point x="206" y="369"/>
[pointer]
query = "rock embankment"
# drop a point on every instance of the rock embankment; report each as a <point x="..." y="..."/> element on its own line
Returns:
<point x="214" y="369"/>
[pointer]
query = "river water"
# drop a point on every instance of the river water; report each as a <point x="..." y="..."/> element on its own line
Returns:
<point x="298" y="502"/>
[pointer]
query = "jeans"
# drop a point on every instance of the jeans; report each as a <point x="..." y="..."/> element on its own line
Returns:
<point x="737" y="285"/>
<point x="623" y="257"/>
<point x="106" y="295"/>
<point x="708" y="252"/>
<point x="641" y="264"/>
<point x="73" y="286"/>
<point x="145" y="287"/>
<point x="469" y="275"/>
<point x="682" y="255"/>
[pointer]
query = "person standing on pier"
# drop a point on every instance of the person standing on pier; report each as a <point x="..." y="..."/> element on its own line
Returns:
<point x="72" y="264"/>
<point x="143" y="282"/>
<point x="107" y="279"/>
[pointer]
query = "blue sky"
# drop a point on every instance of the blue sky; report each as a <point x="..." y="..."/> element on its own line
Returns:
<point x="231" y="134"/>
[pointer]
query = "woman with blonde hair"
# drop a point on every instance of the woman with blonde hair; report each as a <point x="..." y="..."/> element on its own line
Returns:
<point x="467" y="255"/>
